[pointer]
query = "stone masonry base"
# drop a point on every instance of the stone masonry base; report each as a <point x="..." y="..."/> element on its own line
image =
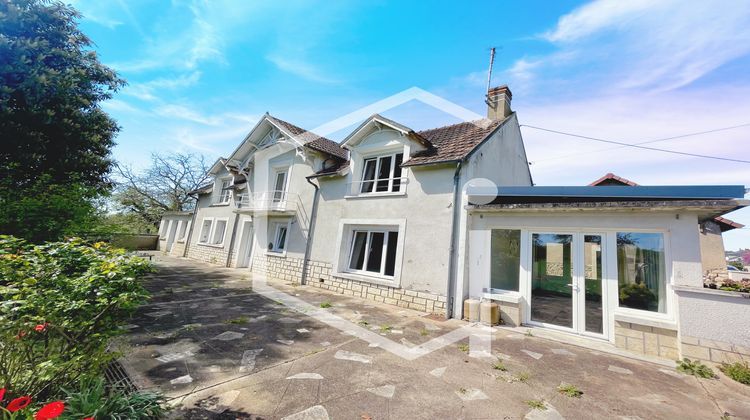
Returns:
<point x="644" y="339"/>
<point x="320" y="275"/>
<point x="713" y="351"/>
<point x="210" y="254"/>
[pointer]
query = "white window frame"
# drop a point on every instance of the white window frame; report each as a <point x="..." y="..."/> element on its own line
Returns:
<point x="378" y="159"/>
<point x="347" y="227"/>
<point x="276" y="227"/>
<point x="212" y="230"/>
<point x="225" y="195"/>
<point x="185" y="232"/>
<point x="283" y="191"/>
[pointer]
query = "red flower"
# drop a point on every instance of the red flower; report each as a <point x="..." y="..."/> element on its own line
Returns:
<point x="19" y="403"/>
<point x="40" y="328"/>
<point x="50" y="411"/>
<point x="20" y="335"/>
<point x="89" y="418"/>
<point x="2" y="394"/>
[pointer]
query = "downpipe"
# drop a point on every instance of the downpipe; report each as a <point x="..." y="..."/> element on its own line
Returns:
<point x="452" y="252"/>
<point x="310" y="230"/>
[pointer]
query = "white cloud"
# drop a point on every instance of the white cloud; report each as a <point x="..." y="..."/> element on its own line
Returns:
<point x="301" y="68"/>
<point x="147" y="91"/>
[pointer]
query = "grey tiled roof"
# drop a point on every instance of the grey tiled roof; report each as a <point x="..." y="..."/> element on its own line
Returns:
<point x="312" y="140"/>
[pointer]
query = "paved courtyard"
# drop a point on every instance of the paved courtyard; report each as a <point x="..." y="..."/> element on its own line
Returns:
<point x="220" y="348"/>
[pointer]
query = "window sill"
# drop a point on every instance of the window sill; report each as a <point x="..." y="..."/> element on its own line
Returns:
<point x="503" y="296"/>
<point x="181" y="241"/>
<point x="221" y="245"/>
<point x="649" y="320"/>
<point x="376" y="195"/>
<point x="276" y="254"/>
<point x="220" y="204"/>
<point x="368" y="279"/>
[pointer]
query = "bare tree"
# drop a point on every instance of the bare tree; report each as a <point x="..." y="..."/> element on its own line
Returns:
<point x="163" y="186"/>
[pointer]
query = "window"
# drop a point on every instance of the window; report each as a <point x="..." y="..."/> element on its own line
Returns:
<point x="278" y="244"/>
<point x="225" y="192"/>
<point x="182" y="230"/>
<point x="279" y="186"/>
<point x="163" y="229"/>
<point x="641" y="271"/>
<point x="217" y="237"/>
<point x="505" y="260"/>
<point x="382" y="174"/>
<point x="373" y="252"/>
<point x="206" y="230"/>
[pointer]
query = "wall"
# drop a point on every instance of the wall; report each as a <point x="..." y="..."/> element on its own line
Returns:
<point x="205" y="207"/>
<point x="714" y="325"/>
<point x="648" y="340"/>
<point x="712" y="252"/>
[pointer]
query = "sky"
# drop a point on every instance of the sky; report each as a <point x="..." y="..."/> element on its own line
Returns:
<point x="201" y="73"/>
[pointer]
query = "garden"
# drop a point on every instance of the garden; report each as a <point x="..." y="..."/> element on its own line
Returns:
<point x="61" y="303"/>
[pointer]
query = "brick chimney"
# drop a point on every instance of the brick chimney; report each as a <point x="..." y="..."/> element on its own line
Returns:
<point x="498" y="102"/>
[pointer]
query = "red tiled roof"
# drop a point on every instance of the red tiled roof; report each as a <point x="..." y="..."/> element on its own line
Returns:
<point x="727" y="224"/>
<point x="312" y="140"/>
<point x="453" y="142"/>
<point x="612" y="179"/>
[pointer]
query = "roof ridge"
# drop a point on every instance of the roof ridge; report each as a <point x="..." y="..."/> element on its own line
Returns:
<point x="459" y="123"/>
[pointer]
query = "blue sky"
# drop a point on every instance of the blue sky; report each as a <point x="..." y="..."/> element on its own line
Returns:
<point x="201" y="73"/>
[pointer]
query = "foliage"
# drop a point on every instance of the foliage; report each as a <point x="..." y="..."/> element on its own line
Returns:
<point x="325" y="305"/>
<point x="22" y="408"/>
<point x="499" y="365"/>
<point x="463" y="347"/>
<point x="56" y="139"/>
<point x="93" y="399"/>
<point x="636" y="295"/>
<point x="737" y="264"/>
<point x="695" y="368"/>
<point x="536" y="404"/>
<point x="739" y="371"/>
<point x="163" y="186"/>
<point x="48" y="212"/>
<point x="570" y="390"/>
<point x="736" y="285"/>
<point x="60" y="303"/>
<point x="522" y="377"/>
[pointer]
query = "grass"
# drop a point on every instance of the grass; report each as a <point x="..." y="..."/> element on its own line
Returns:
<point x="385" y="328"/>
<point x="695" y="368"/>
<point x="739" y="371"/>
<point x="570" y="390"/>
<point x="363" y="323"/>
<point x="237" y="321"/>
<point x="463" y="347"/>
<point x="190" y="327"/>
<point x="423" y="332"/>
<point x="521" y="377"/>
<point x="499" y="365"/>
<point x="325" y="305"/>
<point x="536" y="404"/>
<point x="528" y="333"/>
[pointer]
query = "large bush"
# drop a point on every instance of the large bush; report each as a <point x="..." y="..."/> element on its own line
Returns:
<point x="59" y="305"/>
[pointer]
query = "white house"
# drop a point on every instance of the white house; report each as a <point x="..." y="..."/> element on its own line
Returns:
<point x="397" y="216"/>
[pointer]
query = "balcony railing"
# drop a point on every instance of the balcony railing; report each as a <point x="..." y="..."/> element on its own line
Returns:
<point x="382" y="186"/>
<point x="270" y="201"/>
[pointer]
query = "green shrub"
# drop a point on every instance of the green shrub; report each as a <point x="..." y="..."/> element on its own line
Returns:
<point x="736" y="285"/>
<point x="94" y="399"/>
<point x="739" y="371"/>
<point x="695" y="368"/>
<point x="570" y="390"/>
<point x="60" y="303"/>
<point x="639" y="296"/>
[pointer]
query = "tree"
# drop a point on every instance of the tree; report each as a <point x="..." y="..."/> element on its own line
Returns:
<point x="55" y="136"/>
<point x="163" y="186"/>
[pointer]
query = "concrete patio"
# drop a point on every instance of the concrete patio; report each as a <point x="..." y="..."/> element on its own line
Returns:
<point x="219" y="348"/>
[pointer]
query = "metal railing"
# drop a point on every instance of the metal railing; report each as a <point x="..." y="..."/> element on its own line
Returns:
<point x="378" y="186"/>
<point x="270" y="201"/>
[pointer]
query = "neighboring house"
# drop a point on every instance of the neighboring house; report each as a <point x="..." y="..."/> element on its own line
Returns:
<point x="402" y="217"/>
<point x="713" y="257"/>
<point x="173" y="232"/>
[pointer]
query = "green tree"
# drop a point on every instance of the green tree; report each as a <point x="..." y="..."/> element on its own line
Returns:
<point x="55" y="136"/>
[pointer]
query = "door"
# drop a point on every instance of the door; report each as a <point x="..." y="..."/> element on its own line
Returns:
<point x="246" y="244"/>
<point x="566" y="282"/>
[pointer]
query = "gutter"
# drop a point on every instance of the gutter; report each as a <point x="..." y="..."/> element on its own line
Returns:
<point x="310" y="229"/>
<point x="449" y="295"/>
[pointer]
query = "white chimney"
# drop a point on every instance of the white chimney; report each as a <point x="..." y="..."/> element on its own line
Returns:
<point x="498" y="102"/>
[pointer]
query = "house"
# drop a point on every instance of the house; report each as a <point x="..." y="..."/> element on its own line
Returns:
<point x="713" y="257"/>
<point x="427" y="219"/>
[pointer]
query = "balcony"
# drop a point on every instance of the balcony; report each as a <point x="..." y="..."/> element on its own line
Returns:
<point x="377" y="187"/>
<point x="270" y="201"/>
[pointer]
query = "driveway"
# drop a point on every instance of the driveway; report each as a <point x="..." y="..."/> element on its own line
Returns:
<point x="220" y="348"/>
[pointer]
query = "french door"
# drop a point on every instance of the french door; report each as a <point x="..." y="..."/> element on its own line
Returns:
<point x="566" y="284"/>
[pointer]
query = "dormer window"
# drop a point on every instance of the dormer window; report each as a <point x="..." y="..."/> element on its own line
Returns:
<point x="382" y="174"/>
<point x="226" y="193"/>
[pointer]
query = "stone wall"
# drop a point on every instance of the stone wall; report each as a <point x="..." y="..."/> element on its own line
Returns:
<point x="210" y="254"/>
<point x="510" y="313"/>
<point x="713" y="351"/>
<point x="320" y="275"/>
<point x="647" y="340"/>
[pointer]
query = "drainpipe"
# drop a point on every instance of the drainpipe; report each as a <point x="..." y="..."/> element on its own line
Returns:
<point x="231" y="241"/>
<point x="452" y="257"/>
<point x="310" y="230"/>
<point x="192" y="227"/>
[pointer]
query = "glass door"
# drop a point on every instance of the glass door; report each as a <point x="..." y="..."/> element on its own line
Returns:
<point x="567" y="282"/>
<point x="552" y="279"/>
